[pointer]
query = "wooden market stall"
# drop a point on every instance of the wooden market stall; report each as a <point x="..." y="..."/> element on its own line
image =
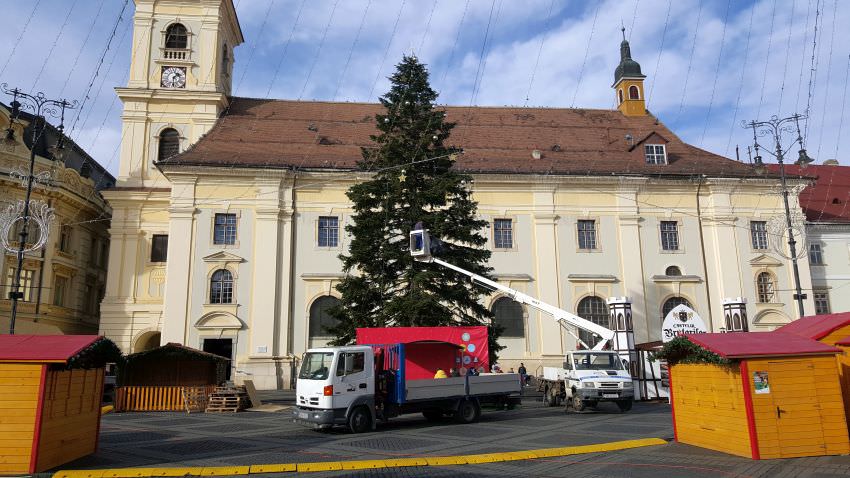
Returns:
<point x="757" y="395"/>
<point x="159" y="379"/>
<point x="830" y="329"/>
<point x="50" y="396"/>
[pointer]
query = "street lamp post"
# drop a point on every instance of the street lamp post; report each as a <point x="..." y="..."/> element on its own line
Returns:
<point x="21" y="212"/>
<point x="773" y="128"/>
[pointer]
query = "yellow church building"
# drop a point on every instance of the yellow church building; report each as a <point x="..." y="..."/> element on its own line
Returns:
<point x="229" y="213"/>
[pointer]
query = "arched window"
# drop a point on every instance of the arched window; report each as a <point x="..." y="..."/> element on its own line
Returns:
<point x="595" y="310"/>
<point x="320" y="319"/>
<point x="765" y="286"/>
<point x="671" y="303"/>
<point x="673" y="271"/>
<point x="176" y="36"/>
<point x="221" y="287"/>
<point x="634" y="94"/>
<point x="509" y="314"/>
<point x="620" y="95"/>
<point x="169" y="143"/>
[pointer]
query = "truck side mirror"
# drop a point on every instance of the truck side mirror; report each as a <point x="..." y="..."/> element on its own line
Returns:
<point x="568" y="365"/>
<point x="349" y="363"/>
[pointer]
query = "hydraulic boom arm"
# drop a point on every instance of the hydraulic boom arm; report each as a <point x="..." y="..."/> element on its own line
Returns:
<point x="420" y="249"/>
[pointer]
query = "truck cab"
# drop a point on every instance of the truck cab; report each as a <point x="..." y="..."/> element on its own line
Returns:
<point x="336" y="386"/>
<point x="589" y="377"/>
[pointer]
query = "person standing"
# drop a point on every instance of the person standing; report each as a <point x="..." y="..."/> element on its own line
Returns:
<point x="523" y="373"/>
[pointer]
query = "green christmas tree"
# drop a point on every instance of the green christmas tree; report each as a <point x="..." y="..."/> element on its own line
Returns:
<point x="413" y="182"/>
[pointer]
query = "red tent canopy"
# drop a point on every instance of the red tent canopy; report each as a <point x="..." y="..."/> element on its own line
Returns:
<point x="42" y="348"/>
<point x="429" y="348"/>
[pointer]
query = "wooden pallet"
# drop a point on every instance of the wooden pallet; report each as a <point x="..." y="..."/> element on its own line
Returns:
<point x="224" y="403"/>
<point x="194" y="399"/>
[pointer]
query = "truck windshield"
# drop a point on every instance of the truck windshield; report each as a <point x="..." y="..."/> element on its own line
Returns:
<point x="316" y="365"/>
<point x="599" y="361"/>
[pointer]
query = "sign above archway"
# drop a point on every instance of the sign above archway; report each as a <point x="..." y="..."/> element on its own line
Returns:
<point x="682" y="320"/>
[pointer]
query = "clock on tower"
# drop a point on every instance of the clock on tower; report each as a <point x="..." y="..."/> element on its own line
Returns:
<point x="173" y="77"/>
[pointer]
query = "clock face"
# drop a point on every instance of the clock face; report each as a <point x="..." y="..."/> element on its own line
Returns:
<point x="173" y="77"/>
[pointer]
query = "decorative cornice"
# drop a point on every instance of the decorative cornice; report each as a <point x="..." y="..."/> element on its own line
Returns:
<point x="591" y="278"/>
<point x="685" y="278"/>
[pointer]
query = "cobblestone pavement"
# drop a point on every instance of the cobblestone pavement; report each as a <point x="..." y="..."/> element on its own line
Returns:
<point x="249" y="438"/>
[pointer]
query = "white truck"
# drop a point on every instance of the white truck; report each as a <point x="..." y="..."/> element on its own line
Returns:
<point x="356" y="386"/>
<point x="588" y="376"/>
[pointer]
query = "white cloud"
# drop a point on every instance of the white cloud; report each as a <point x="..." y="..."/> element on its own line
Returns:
<point x="755" y="70"/>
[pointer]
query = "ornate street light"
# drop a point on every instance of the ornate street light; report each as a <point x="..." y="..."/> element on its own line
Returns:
<point x="20" y="213"/>
<point x="773" y="129"/>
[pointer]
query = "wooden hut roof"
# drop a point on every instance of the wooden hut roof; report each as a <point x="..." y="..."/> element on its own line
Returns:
<point x="172" y="348"/>
<point x="816" y="326"/>
<point x="43" y="348"/>
<point x="738" y="345"/>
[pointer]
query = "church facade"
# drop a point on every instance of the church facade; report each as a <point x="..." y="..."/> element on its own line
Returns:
<point x="229" y="213"/>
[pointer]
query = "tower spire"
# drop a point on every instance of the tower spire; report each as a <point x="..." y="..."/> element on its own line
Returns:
<point x="628" y="81"/>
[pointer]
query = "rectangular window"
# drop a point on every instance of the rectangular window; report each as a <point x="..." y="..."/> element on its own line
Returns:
<point x="65" y="238"/>
<point x="104" y="253"/>
<point x="159" y="248"/>
<point x="503" y="234"/>
<point x="670" y="235"/>
<point x="328" y="231"/>
<point x="815" y="254"/>
<point x="26" y="284"/>
<point x="758" y="234"/>
<point x="655" y="154"/>
<point x="225" y="229"/>
<point x="60" y="287"/>
<point x="350" y="363"/>
<point x="586" y="234"/>
<point x="821" y="302"/>
<point x="94" y="247"/>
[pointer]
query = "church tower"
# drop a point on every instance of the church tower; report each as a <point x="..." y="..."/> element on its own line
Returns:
<point x="179" y="82"/>
<point x="628" y="83"/>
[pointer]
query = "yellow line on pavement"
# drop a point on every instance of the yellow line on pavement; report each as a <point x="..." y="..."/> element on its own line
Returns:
<point x="359" y="464"/>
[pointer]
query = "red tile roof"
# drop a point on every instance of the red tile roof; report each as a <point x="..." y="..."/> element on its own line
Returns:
<point x="760" y="344"/>
<point x="828" y="199"/>
<point x="42" y="348"/>
<point x="325" y="135"/>
<point x="816" y="326"/>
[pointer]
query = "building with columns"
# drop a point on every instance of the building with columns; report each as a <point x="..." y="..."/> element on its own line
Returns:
<point x="229" y="213"/>
<point x="64" y="281"/>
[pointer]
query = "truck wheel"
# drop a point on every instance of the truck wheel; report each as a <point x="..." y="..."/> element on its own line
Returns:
<point x="468" y="412"/>
<point x="625" y="405"/>
<point x="548" y="397"/>
<point x="578" y="403"/>
<point x="432" y="415"/>
<point x="360" y="421"/>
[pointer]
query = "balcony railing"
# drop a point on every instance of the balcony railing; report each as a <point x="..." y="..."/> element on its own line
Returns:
<point x="175" y="54"/>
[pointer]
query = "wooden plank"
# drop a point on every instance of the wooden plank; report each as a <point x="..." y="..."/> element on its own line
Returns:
<point x="18" y="367"/>
<point x="17" y="404"/>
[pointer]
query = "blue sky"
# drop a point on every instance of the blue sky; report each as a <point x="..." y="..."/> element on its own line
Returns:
<point x="709" y="64"/>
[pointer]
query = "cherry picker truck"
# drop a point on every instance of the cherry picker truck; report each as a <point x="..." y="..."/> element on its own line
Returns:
<point x="588" y="376"/>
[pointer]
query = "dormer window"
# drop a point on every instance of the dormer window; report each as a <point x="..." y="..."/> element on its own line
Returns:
<point x="176" y="36"/>
<point x="655" y="154"/>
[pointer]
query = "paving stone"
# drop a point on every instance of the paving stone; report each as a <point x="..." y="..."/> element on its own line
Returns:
<point x="199" y="447"/>
<point x="386" y="443"/>
<point x="115" y="438"/>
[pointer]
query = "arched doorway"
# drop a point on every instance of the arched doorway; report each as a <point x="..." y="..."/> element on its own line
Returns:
<point x="147" y="341"/>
